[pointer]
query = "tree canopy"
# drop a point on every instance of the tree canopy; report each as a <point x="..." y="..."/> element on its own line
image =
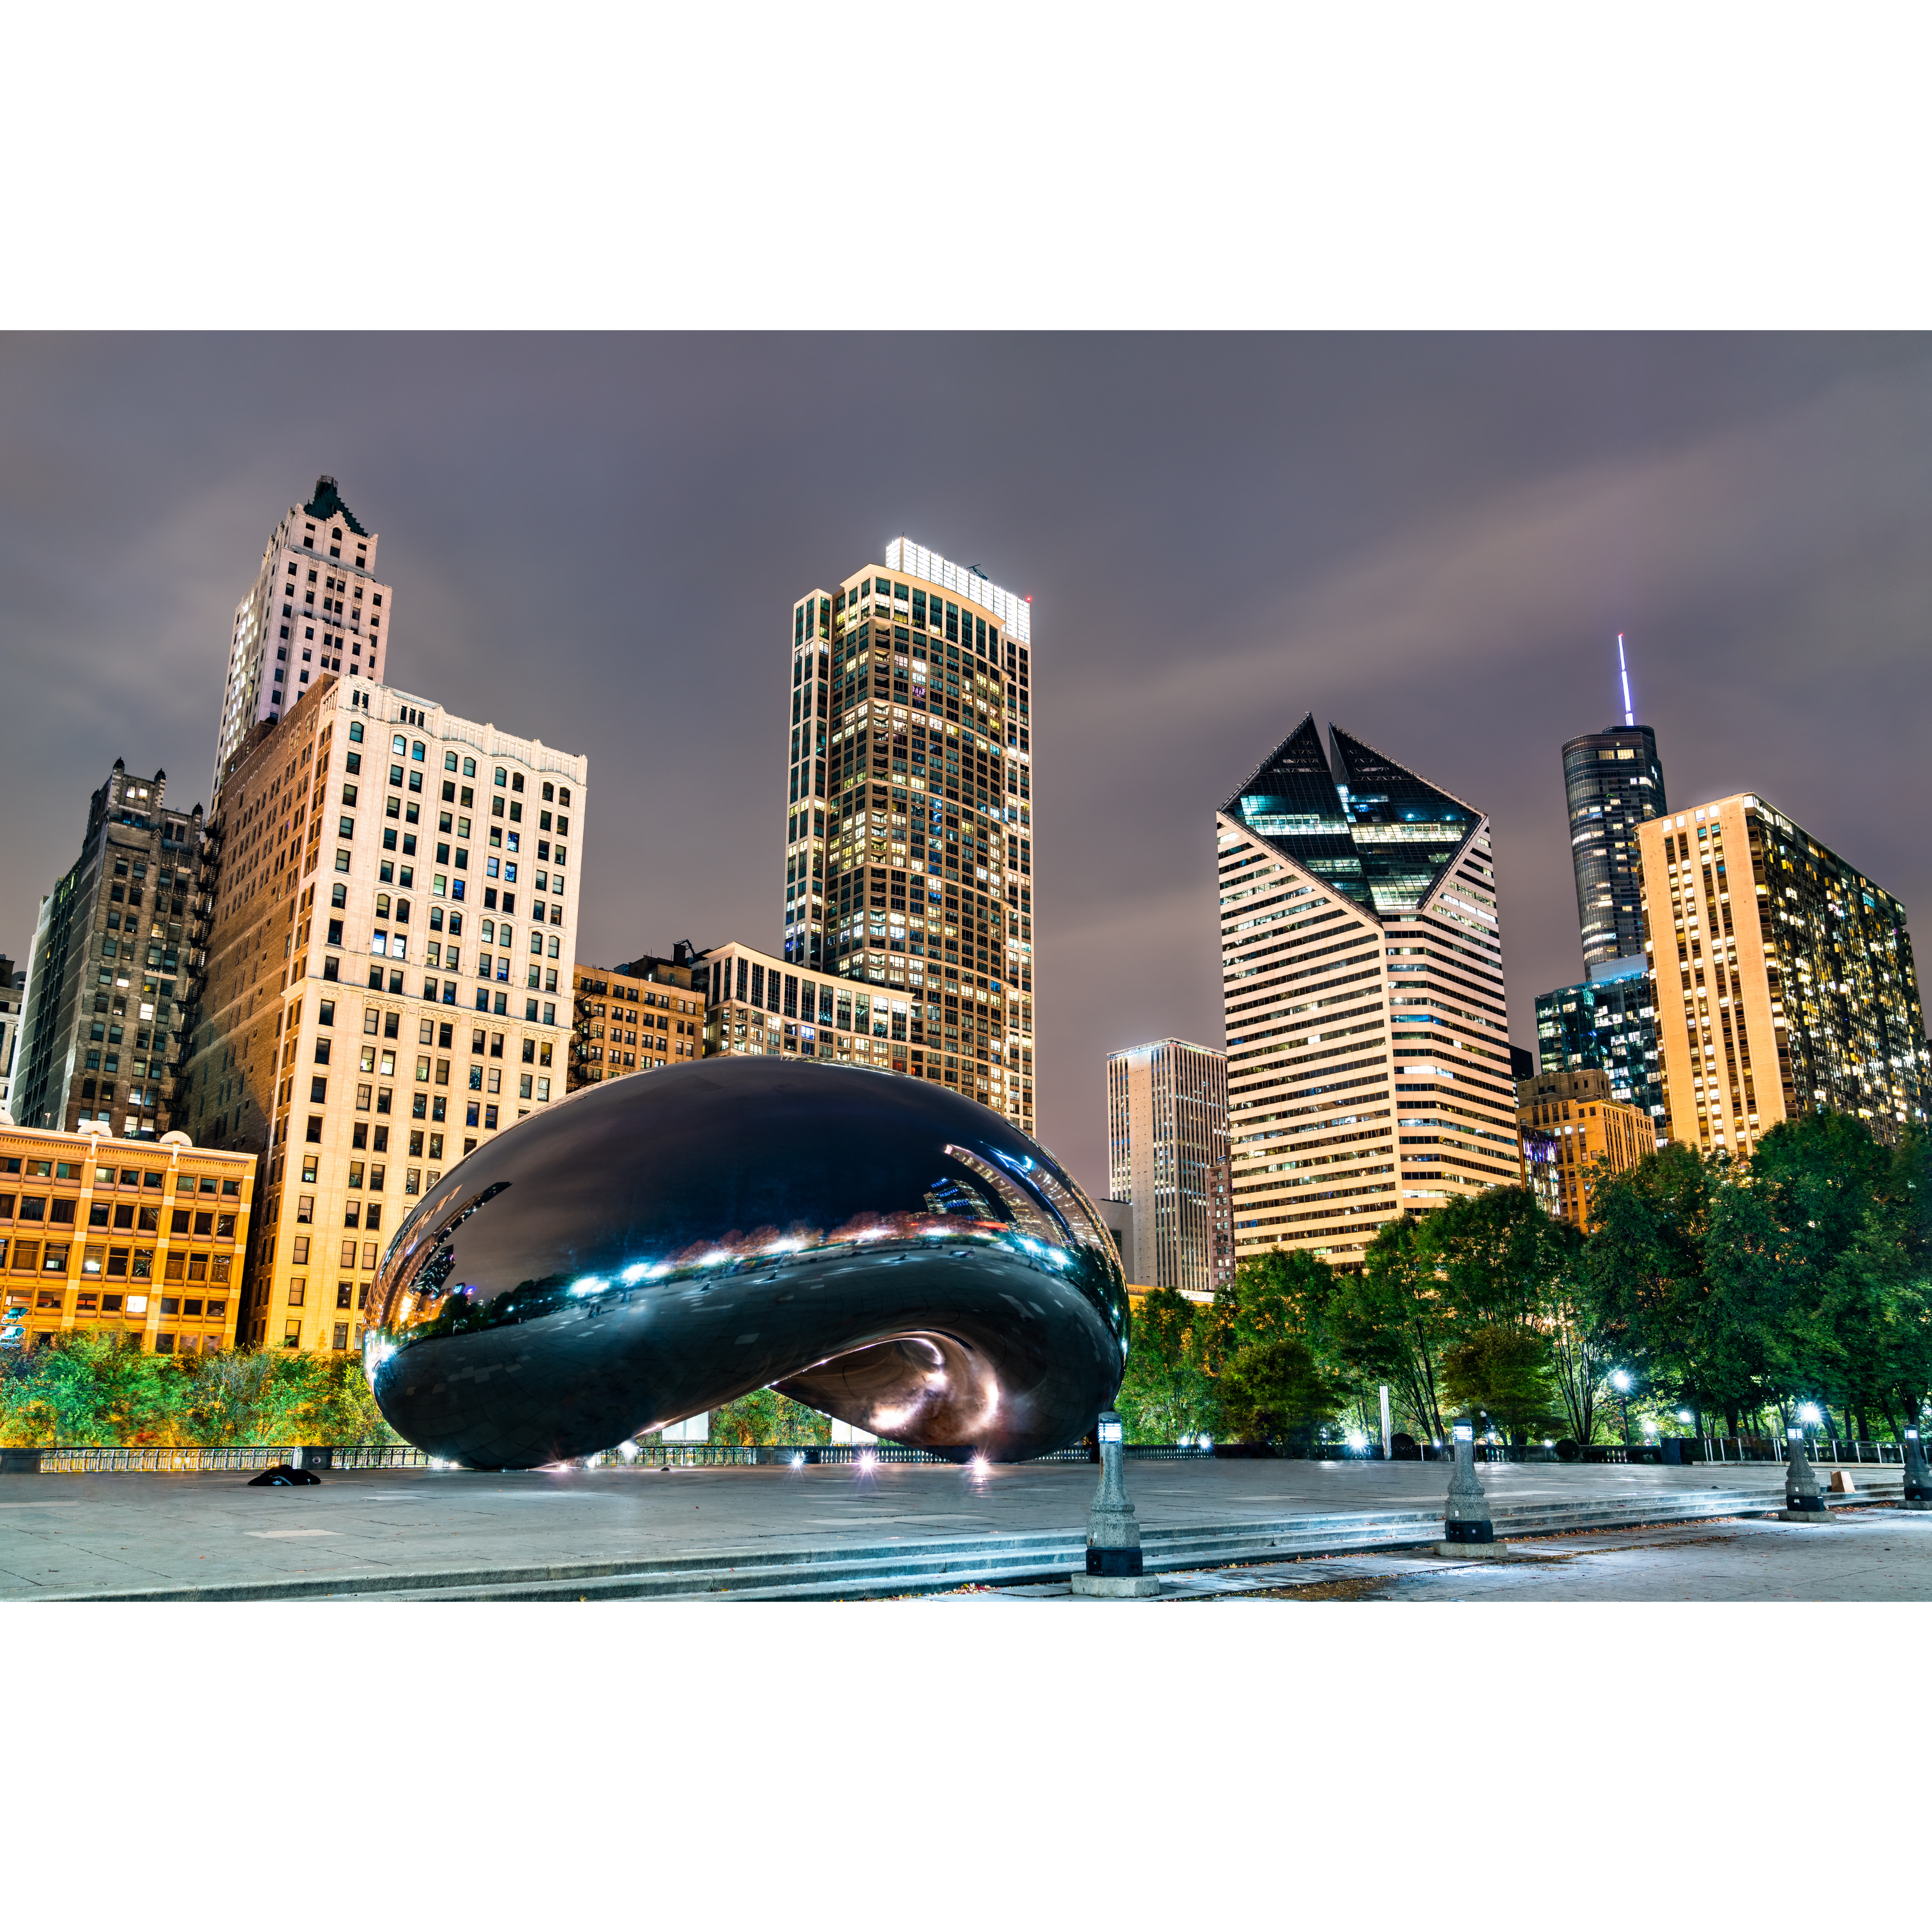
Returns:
<point x="1727" y="1290"/>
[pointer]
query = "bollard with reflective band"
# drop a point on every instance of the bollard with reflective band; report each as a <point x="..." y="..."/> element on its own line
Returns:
<point x="1113" y="1535"/>
<point x="1804" y="1502"/>
<point x="1918" y="1477"/>
<point x="1467" y="1529"/>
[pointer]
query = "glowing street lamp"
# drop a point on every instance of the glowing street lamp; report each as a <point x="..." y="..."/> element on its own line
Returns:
<point x="1620" y="1381"/>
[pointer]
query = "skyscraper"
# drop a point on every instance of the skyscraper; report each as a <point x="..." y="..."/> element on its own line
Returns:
<point x="909" y="824"/>
<point x="13" y="1005"/>
<point x="1369" y="1068"/>
<point x="116" y="968"/>
<point x="1607" y="1022"/>
<point x="316" y="606"/>
<point x="390" y="985"/>
<point x="1167" y="1157"/>
<point x="1613" y="782"/>
<point x="1574" y="1131"/>
<point x="1784" y="977"/>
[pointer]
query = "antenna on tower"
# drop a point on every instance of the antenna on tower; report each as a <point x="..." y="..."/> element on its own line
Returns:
<point x="1623" y="672"/>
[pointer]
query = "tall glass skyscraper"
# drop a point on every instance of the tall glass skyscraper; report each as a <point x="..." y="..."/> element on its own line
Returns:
<point x="909" y="824"/>
<point x="1369" y="1065"/>
<point x="1609" y="1023"/>
<point x="1613" y="782"/>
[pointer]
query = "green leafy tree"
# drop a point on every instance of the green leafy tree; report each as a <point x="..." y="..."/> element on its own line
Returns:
<point x="1489" y="1254"/>
<point x="1579" y="1349"/>
<point x="765" y="1416"/>
<point x="1273" y="1296"/>
<point x="1908" y="1350"/>
<point x="1275" y="1393"/>
<point x="91" y="1390"/>
<point x="1167" y="1394"/>
<point x="1502" y="1370"/>
<point x="1645" y="1268"/>
<point x="1392" y="1322"/>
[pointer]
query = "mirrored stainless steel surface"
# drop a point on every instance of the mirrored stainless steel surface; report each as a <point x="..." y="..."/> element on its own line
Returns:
<point x="895" y="1255"/>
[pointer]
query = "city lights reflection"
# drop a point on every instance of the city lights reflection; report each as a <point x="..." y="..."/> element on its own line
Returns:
<point x="896" y="1259"/>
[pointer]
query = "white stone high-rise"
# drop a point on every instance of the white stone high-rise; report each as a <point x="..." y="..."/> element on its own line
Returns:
<point x="1369" y="1066"/>
<point x="316" y="605"/>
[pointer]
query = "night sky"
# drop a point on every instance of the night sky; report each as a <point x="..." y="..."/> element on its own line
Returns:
<point x="1431" y="540"/>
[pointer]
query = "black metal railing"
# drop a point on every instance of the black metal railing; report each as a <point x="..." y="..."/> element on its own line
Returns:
<point x="84" y="1459"/>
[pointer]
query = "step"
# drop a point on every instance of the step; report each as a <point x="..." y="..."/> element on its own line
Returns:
<point x="931" y="1563"/>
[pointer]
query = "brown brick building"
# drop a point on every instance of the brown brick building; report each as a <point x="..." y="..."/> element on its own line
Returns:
<point x="630" y="1019"/>
<point x="1569" y="1122"/>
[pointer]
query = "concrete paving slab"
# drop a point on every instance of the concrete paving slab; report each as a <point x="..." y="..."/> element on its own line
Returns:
<point x="69" y="1536"/>
<point x="1872" y="1555"/>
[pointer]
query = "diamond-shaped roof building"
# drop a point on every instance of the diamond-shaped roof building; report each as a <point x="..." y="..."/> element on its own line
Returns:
<point x="1356" y="820"/>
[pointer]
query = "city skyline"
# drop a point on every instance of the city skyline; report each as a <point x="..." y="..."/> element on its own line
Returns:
<point x="1332" y="522"/>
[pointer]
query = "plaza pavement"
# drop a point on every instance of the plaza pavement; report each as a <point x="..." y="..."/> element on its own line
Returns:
<point x="832" y="1530"/>
<point x="1867" y="1556"/>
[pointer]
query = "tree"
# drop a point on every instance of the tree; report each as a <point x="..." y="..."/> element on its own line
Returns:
<point x="1579" y="1355"/>
<point x="1275" y="1393"/>
<point x="1645" y="1268"/>
<point x="91" y="1389"/>
<point x="1502" y="1371"/>
<point x="1392" y="1321"/>
<point x="765" y="1416"/>
<point x="1271" y="1296"/>
<point x="1167" y="1394"/>
<point x="1489" y="1252"/>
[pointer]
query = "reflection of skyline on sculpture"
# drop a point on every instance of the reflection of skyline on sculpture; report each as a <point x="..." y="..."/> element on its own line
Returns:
<point x="589" y="1276"/>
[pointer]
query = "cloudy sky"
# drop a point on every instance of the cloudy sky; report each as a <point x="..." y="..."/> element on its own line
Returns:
<point x="596" y="541"/>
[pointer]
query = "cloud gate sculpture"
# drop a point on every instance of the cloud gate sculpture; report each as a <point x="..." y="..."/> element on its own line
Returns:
<point x="892" y="1254"/>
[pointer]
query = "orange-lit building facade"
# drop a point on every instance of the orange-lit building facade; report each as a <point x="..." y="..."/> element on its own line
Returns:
<point x="1783" y="978"/>
<point x="135" y="1238"/>
<point x="630" y="1019"/>
<point x="1574" y="1129"/>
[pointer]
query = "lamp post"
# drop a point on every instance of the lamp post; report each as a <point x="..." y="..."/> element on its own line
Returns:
<point x="1918" y="1477"/>
<point x="1803" y="1502"/>
<point x="1113" y="1535"/>
<point x="1467" y="1528"/>
<point x="1620" y="1381"/>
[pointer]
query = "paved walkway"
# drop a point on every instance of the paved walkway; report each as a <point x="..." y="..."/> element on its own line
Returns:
<point x="1867" y="1556"/>
<point x="63" y="1536"/>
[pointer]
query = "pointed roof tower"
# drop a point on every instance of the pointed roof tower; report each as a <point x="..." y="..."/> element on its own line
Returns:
<point x="1406" y="831"/>
<point x="327" y="502"/>
<point x="1291" y="802"/>
<point x="1363" y="824"/>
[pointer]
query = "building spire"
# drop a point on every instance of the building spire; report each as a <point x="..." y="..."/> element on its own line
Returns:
<point x="1623" y="672"/>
